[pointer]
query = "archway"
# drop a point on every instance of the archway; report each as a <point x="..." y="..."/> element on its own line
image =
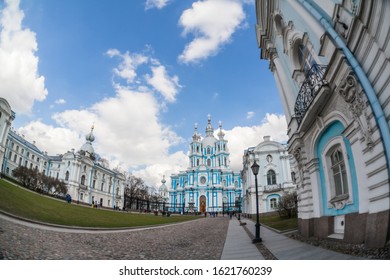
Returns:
<point x="202" y="204"/>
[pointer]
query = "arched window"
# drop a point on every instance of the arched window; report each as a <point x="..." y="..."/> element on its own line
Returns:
<point x="293" y="177"/>
<point x="83" y="180"/>
<point x="67" y="176"/>
<point x="339" y="180"/>
<point x="279" y="24"/>
<point x="273" y="203"/>
<point x="271" y="177"/>
<point x="197" y="162"/>
<point x="208" y="162"/>
<point x="304" y="57"/>
<point x="117" y="191"/>
<point x="81" y="196"/>
<point x="208" y="150"/>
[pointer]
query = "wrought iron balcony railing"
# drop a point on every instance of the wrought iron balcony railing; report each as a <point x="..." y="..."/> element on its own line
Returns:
<point x="309" y="89"/>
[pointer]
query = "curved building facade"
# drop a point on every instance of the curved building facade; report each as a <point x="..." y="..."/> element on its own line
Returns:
<point x="330" y="60"/>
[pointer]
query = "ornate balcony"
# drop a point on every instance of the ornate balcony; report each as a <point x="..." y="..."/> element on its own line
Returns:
<point x="272" y="188"/>
<point x="310" y="87"/>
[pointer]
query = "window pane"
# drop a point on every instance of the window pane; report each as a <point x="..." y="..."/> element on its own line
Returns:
<point x="338" y="184"/>
<point x="345" y="181"/>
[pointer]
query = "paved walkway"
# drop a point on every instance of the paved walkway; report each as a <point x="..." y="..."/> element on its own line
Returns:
<point x="238" y="245"/>
<point x="282" y="247"/>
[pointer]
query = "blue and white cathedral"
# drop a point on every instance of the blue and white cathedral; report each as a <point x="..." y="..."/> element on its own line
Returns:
<point x="208" y="184"/>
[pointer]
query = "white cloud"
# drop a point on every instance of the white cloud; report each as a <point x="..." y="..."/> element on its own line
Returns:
<point x="212" y="22"/>
<point x="167" y="86"/>
<point x="20" y="81"/>
<point x="153" y="173"/>
<point x="60" y="101"/>
<point x="53" y="140"/>
<point x="159" y="4"/>
<point x="159" y="79"/>
<point x="128" y="66"/>
<point x="250" y="115"/>
<point x="128" y="131"/>
<point x="241" y="138"/>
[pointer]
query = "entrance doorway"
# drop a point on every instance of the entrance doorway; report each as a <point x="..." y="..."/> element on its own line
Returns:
<point x="202" y="203"/>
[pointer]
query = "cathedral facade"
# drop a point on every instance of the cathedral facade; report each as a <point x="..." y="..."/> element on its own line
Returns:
<point x="208" y="184"/>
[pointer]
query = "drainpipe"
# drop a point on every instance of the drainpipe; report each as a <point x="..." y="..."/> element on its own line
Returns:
<point x="369" y="90"/>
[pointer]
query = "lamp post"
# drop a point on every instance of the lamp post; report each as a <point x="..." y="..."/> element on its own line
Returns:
<point x="255" y="169"/>
<point x="212" y="195"/>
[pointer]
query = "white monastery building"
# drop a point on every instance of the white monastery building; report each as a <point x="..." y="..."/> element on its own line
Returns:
<point x="274" y="178"/>
<point x="87" y="177"/>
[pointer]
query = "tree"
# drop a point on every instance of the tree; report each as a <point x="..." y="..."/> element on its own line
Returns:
<point x="39" y="182"/>
<point x="25" y="176"/>
<point x="288" y="205"/>
<point x="135" y="189"/>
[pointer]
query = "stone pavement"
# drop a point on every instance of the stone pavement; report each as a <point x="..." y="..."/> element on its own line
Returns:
<point x="208" y="238"/>
<point x="200" y="239"/>
<point x="285" y="248"/>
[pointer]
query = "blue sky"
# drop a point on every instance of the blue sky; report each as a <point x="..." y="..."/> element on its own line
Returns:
<point x="143" y="72"/>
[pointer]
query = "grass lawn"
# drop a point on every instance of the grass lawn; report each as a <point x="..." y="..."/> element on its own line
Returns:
<point x="279" y="223"/>
<point x="21" y="202"/>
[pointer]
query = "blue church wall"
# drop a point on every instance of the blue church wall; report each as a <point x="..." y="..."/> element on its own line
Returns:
<point x="336" y="129"/>
<point x="207" y="159"/>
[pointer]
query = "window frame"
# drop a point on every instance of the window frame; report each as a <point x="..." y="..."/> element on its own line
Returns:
<point x="270" y="182"/>
<point x="336" y="201"/>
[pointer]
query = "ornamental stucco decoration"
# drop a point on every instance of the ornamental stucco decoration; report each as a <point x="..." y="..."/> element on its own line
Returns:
<point x="298" y="157"/>
<point x="349" y="89"/>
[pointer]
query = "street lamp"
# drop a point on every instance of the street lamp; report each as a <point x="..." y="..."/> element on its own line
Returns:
<point x="255" y="169"/>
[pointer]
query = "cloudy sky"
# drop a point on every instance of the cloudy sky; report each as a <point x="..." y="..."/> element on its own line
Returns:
<point x="142" y="72"/>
